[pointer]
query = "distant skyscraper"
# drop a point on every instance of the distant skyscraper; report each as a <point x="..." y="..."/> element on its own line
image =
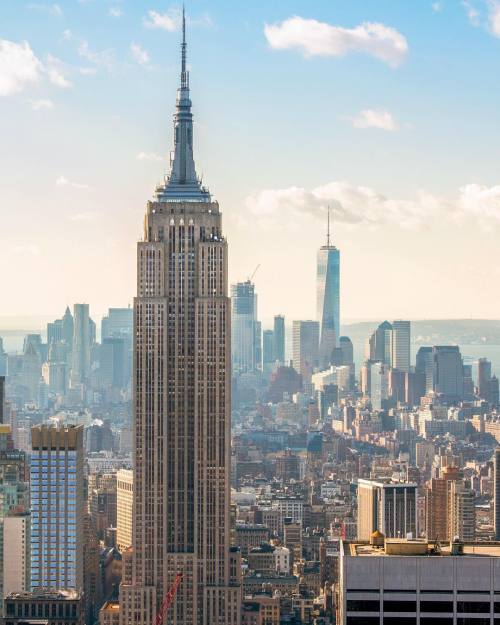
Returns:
<point x="118" y="323"/>
<point x="305" y="345"/>
<point x="401" y="357"/>
<point x="182" y="387"/>
<point x="448" y="372"/>
<point x="279" y="339"/>
<point x="81" y="345"/>
<point x="425" y="366"/>
<point x="57" y="507"/>
<point x="68" y="328"/>
<point x="268" y="349"/>
<point x="3" y="359"/>
<point x="496" y="493"/>
<point x="379" y="385"/>
<point x="328" y="299"/>
<point x="244" y="327"/>
<point x="380" y="343"/>
<point x="389" y="507"/>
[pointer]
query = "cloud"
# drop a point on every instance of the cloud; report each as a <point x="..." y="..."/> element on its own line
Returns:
<point x="55" y="69"/>
<point x="494" y="17"/>
<point x="149" y="156"/>
<point x="19" y="67"/>
<point x="42" y="105"/>
<point x="169" y="21"/>
<point x="115" y="12"/>
<point x="140" y="55"/>
<point x="50" y="9"/>
<point x="363" y="206"/>
<point x="64" y="182"/>
<point x="471" y="12"/>
<point x="102" y="58"/>
<point x="371" y="118"/>
<point x="88" y="71"/>
<point x="314" y="38"/>
<point x="437" y="7"/>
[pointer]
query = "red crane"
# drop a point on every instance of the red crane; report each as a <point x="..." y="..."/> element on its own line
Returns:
<point x="167" y="601"/>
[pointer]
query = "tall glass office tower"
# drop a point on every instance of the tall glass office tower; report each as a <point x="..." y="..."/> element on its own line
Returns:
<point x="328" y="299"/>
<point x="57" y="507"/>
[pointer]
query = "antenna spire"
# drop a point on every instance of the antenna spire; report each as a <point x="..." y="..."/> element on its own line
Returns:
<point x="184" y="74"/>
<point x="328" y="227"/>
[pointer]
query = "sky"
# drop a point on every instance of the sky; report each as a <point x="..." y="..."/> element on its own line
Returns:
<point x="387" y="111"/>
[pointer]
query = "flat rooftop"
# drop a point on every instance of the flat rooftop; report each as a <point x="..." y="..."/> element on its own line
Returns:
<point x="403" y="547"/>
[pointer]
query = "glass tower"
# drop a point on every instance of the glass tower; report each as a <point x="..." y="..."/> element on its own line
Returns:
<point x="328" y="299"/>
<point x="56" y="485"/>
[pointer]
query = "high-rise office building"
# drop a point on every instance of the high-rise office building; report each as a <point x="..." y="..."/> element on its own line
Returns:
<point x="16" y="552"/>
<point x="2" y="398"/>
<point x="328" y="299"/>
<point x="496" y="493"/>
<point x="305" y="345"/>
<point x="81" y="345"/>
<point x="487" y="385"/>
<point x="448" y="372"/>
<point x="118" y="323"/>
<point x="244" y="329"/>
<point x="424" y="365"/>
<point x="68" y="327"/>
<point x="379" y="385"/>
<point x="3" y="359"/>
<point x="268" y="359"/>
<point x="400" y="348"/>
<point x="389" y="507"/>
<point x="279" y="338"/>
<point x="182" y="401"/>
<point x="379" y="345"/>
<point x="124" y="504"/>
<point x="57" y="507"/>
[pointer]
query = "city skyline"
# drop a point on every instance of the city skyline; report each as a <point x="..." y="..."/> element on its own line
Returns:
<point x="393" y="95"/>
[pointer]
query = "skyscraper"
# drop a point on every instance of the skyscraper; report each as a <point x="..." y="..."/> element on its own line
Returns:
<point x="305" y="342"/>
<point x="389" y="507"/>
<point x="57" y="507"/>
<point x="401" y="345"/>
<point x="328" y="299"/>
<point x="379" y="344"/>
<point x="81" y="345"/>
<point x="496" y="493"/>
<point x="279" y="338"/>
<point x="182" y="401"/>
<point x="448" y="372"/>
<point x="244" y="328"/>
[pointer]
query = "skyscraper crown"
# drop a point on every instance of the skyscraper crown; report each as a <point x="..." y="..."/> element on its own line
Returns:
<point x="182" y="184"/>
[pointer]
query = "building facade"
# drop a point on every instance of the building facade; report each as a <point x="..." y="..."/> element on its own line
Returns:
<point x="328" y="299"/>
<point x="57" y="507"/>
<point x="181" y="401"/>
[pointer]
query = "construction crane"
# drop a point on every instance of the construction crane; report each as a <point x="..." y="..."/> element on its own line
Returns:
<point x="253" y="274"/>
<point x="167" y="602"/>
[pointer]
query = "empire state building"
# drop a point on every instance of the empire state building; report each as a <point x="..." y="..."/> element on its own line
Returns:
<point x="181" y="402"/>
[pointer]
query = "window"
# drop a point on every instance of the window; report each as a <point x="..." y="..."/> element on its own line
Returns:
<point x="363" y="606"/>
<point x="473" y="607"/>
<point x="400" y="606"/>
<point x="436" y="606"/>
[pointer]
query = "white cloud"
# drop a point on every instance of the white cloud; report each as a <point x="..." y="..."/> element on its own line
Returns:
<point x="314" y="38"/>
<point x="115" y="12"/>
<point x="88" y="71"/>
<point x="169" y="21"/>
<point x="371" y="118"/>
<point x="437" y="7"/>
<point x="55" y="72"/>
<point x="42" y="105"/>
<point x="50" y="9"/>
<point x="494" y="17"/>
<point x="471" y="12"/>
<point x="102" y="58"/>
<point x="140" y="55"/>
<point x="64" y="182"/>
<point x="149" y="156"/>
<point x="358" y="205"/>
<point x="19" y="67"/>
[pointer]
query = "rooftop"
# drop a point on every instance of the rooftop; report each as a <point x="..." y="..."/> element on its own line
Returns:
<point x="404" y="547"/>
